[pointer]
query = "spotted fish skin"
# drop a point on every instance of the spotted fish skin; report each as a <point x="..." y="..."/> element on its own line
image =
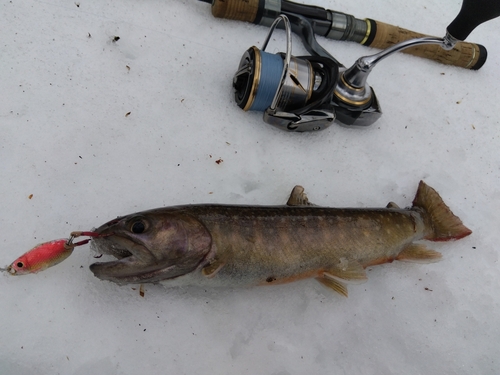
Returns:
<point x="229" y="245"/>
<point x="261" y="245"/>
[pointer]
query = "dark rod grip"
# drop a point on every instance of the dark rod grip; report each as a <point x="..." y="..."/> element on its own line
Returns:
<point x="472" y="14"/>
<point x="464" y="55"/>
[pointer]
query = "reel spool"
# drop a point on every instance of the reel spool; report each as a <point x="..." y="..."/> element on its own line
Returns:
<point x="256" y="87"/>
<point x="293" y="92"/>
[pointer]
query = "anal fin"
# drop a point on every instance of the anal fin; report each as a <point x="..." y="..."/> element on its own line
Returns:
<point x="418" y="253"/>
<point x="335" y="285"/>
<point x="346" y="271"/>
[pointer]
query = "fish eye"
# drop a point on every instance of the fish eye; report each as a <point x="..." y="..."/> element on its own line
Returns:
<point x="20" y="264"/>
<point x="138" y="227"/>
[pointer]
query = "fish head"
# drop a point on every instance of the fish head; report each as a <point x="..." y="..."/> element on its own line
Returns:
<point x="151" y="246"/>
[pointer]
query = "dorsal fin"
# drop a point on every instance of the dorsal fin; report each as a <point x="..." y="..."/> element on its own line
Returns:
<point x="298" y="197"/>
<point x="392" y="205"/>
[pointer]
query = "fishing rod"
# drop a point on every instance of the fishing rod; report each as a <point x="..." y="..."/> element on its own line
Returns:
<point x="308" y="93"/>
<point x="341" y="26"/>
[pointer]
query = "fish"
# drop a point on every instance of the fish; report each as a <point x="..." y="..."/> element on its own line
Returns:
<point x="236" y="245"/>
<point x="41" y="257"/>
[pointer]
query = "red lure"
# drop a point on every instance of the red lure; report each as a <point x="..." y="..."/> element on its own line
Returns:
<point x="46" y="254"/>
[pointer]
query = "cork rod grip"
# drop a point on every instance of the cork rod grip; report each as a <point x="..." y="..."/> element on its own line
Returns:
<point x="464" y="55"/>
<point x="239" y="10"/>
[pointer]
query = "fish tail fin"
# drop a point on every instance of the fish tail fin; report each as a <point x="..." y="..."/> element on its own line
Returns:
<point x="444" y="225"/>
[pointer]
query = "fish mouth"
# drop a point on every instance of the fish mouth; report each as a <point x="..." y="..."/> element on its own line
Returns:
<point x="111" y="244"/>
<point x="135" y="263"/>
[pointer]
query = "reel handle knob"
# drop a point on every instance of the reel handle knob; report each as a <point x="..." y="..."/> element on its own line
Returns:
<point x="472" y="14"/>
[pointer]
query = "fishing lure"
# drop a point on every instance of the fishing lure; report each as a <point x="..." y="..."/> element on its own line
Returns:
<point x="46" y="254"/>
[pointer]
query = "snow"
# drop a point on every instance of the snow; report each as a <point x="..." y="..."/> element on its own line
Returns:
<point x="66" y="88"/>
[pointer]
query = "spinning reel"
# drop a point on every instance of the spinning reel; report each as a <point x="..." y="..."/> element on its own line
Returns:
<point x="293" y="92"/>
<point x="306" y="93"/>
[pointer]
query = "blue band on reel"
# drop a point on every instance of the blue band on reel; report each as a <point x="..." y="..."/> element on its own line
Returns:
<point x="270" y="76"/>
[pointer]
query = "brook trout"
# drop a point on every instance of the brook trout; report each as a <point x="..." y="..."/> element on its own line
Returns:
<point x="232" y="245"/>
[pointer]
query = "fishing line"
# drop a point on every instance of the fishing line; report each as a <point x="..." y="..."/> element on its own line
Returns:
<point x="271" y="68"/>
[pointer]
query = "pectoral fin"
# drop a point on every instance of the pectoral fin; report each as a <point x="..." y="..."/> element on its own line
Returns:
<point x="298" y="197"/>
<point x="212" y="268"/>
<point x="418" y="254"/>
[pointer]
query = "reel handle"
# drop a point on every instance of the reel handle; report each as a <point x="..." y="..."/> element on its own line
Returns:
<point x="464" y="54"/>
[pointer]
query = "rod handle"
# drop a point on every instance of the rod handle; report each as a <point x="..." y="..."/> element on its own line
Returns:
<point x="239" y="10"/>
<point x="464" y="54"/>
<point x="379" y="35"/>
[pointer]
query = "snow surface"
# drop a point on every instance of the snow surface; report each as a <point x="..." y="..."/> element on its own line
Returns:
<point x="66" y="88"/>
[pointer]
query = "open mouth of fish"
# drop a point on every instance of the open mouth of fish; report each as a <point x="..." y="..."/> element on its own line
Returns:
<point x="123" y="267"/>
<point x="115" y="246"/>
<point x="134" y="264"/>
